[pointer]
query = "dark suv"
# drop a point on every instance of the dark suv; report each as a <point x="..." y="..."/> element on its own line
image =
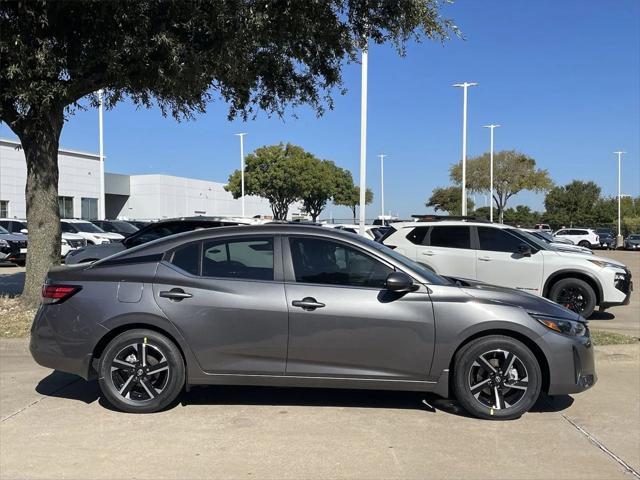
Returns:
<point x="116" y="226"/>
<point x="151" y="232"/>
<point x="607" y="238"/>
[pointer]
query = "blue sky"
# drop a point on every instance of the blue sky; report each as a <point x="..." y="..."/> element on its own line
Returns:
<point x="562" y="77"/>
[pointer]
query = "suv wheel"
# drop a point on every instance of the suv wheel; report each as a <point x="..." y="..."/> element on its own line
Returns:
<point x="141" y="371"/>
<point x="496" y="377"/>
<point x="584" y="243"/>
<point x="574" y="294"/>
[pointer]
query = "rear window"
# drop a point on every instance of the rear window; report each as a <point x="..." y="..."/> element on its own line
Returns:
<point x="416" y="236"/>
<point x="450" y="237"/>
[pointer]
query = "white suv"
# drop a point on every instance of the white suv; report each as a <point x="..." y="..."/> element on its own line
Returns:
<point x="585" y="237"/>
<point x="506" y="256"/>
<point x="92" y="234"/>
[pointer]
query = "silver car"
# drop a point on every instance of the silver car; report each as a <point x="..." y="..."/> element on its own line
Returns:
<point x="292" y="305"/>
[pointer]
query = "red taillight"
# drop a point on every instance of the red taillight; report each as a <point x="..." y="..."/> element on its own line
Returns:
<point x="58" y="293"/>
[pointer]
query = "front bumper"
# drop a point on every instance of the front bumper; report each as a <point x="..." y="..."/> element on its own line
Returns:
<point x="571" y="364"/>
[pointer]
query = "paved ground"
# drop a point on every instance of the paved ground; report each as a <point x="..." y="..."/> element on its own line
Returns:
<point x="55" y="426"/>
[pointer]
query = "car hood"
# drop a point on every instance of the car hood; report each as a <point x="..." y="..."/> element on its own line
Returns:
<point x="575" y="255"/>
<point x="110" y="235"/>
<point x="93" y="252"/>
<point x="510" y="296"/>
<point x="631" y="240"/>
<point x="72" y="236"/>
<point x="565" y="247"/>
<point x="14" y="237"/>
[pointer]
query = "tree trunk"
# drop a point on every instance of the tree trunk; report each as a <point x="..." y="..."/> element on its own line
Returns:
<point x="353" y="209"/>
<point x="40" y="138"/>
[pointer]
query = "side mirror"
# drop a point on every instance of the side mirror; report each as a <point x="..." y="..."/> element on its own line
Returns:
<point x="524" y="250"/>
<point x="400" y="282"/>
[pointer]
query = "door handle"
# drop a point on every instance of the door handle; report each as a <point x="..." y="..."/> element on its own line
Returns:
<point x="429" y="252"/>
<point x="307" y="303"/>
<point x="175" y="294"/>
<point x="484" y="259"/>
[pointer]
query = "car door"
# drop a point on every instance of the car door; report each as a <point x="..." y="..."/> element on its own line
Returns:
<point x="447" y="249"/>
<point x="499" y="261"/>
<point x="227" y="298"/>
<point x="342" y="321"/>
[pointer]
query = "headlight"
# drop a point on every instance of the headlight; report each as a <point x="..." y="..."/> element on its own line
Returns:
<point x="563" y="325"/>
<point x="602" y="264"/>
<point x="3" y="243"/>
<point x="64" y="242"/>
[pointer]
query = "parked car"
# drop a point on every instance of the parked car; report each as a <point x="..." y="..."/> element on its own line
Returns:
<point x="293" y="305"/>
<point x="153" y="231"/>
<point x="138" y="223"/>
<point x="13" y="247"/>
<point x="372" y="232"/>
<point x="607" y="238"/>
<point x="506" y="256"/>
<point x="68" y="242"/>
<point x="545" y="227"/>
<point x="563" y="246"/>
<point x="585" y="237"/>
<point x="92" y="234"/>
<point x="632" y="242"/>
<point x="116" y="226"/>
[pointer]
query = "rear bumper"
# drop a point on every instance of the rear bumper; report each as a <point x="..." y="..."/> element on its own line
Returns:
<point x="49" y="348"/>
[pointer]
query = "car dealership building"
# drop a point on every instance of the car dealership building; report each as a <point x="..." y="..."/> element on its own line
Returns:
<point x="140" y="197"/>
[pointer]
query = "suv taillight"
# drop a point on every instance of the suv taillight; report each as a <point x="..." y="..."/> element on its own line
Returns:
<point x="52" y="293"/>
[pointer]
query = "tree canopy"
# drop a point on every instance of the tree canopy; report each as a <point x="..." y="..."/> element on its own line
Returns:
<point x="180" y="55"/>
<point x="513" y="172"/>
<point x="350" y="197"/>
<point x="448" y="199"/>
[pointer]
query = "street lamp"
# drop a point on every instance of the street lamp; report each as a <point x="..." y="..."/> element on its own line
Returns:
<point x="492" y="126"/>
<point x="619" y="239"/>
<point x="464" y="86"/>
<point x="101" y="212"/>
<point x="382" y="185"/>
<point x="241" y="135"/>
<point x="363" y="139"/>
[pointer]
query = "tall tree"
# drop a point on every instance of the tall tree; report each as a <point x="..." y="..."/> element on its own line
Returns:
<point x="350" y="197"/>
<point x="322" y="181"/>
<point x="178" y="55"/>
<point x="275" y="172"/>
<point x="513" y="172"/>
<point x="448" y="199"/>
<point x="572" y="204"/>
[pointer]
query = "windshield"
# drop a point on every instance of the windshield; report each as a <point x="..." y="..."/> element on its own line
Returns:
<point x="542" y="235"/>
<point x="430" y="276"/>
<point x="529" y="238"/>
<point x="124" y="227"/>
<point x="87" y="227"/>
<point x="3" y="231"/>
<point x="634" y="237"/>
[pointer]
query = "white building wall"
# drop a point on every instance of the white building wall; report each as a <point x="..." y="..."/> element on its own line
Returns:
<point x="79" y="177"/>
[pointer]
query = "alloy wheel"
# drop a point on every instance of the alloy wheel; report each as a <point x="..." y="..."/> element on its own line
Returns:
<point x="139" y="372"/>
<point x="498" y="379"/>
<point x="574" y="298"/>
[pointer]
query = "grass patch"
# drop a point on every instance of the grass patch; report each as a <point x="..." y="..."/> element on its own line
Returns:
<point x="602" y="337"/>
<point x="15" y="318"/>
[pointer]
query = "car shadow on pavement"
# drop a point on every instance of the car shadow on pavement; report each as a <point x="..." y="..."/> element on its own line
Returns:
<point x="601" y="316"/>
<point x="63" y="385"/>
<point x="12" y="285"/>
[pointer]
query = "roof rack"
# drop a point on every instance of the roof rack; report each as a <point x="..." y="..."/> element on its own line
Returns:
<point x="428" y="217"/>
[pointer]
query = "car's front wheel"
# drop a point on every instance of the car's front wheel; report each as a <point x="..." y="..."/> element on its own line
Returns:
<point x="141" y="371"/>
<point x="574" y="294"/>
<point x="496" y="377"/>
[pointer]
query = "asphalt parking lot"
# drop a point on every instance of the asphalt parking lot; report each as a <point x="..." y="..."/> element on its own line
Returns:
<point x="53" y="425"/>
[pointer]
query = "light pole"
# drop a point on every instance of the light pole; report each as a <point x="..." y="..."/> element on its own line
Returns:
<point x="101" y="211"/>
<point x="464" y="86"/>
<point x="241" y="135"/>
<point x="382" y="185"/>
<point x="363" y="138"/>
<point x="619" y="239"/>
<point x="492" y="127"/>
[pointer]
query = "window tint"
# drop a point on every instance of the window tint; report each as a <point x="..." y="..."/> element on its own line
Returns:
<point x="416" y="236"/>
<point x="322" y="261"/>
<point x="497" y="240"/>
<point x="561" y="232"/>
<point x="160" y="230"/>
<point x="247" y="258"/>
<point x="452" y="237"/>
<point x="580" y="232"/>
<point x="187" y="258"/>
<point x="67" y="227"/>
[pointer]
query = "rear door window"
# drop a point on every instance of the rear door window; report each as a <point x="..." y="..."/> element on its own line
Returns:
<point x="246" y="258"/>
<point x="497" y="240"/>
<point x="417" y="235"/>
<point x="450" y="236"/>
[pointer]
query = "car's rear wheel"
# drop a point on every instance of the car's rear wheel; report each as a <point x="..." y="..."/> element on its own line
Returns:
<point x="496" y="377"/>
<point x="574" y="294"/>
<point x="584" y="243"/>
<point x="141" y="371"/>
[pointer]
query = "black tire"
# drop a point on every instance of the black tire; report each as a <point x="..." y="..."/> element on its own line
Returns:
<point x="517" y="389"/>
<point x="139" y="389"/>
<point x="574" y="294"/>
<point x="584" y="243"/>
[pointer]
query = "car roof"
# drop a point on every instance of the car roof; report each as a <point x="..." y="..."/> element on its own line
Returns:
<point x="448" y="223"/>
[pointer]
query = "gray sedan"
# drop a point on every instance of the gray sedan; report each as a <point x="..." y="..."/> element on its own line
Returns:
<point x="291" y="305"/>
